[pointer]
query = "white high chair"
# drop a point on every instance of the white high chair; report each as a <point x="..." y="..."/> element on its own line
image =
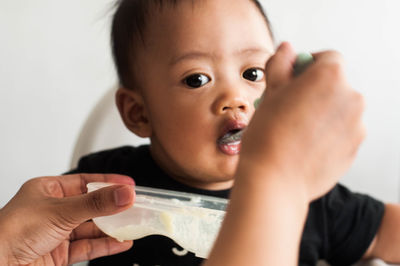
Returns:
<point x="104" y="129"/>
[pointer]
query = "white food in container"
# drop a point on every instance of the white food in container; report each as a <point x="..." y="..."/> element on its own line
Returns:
<point x="192" y="221"/>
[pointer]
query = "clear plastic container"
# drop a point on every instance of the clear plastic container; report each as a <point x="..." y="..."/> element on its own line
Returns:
<point x="192" y="221"/>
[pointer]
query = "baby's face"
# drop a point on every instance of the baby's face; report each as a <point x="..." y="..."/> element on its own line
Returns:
<point x="200" y="72"/>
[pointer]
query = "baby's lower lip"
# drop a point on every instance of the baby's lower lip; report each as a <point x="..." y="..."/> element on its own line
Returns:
<point x="230" y="148"/>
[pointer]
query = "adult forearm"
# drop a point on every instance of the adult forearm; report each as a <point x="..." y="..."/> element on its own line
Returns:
<point x="263" y="224"/>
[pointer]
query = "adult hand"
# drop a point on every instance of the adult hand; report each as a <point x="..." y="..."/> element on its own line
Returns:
<point x="46" y="222"/>
<point x="307" y="128"/>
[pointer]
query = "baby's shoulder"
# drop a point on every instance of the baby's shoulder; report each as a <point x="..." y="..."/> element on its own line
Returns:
<point x="112" y="160"/>
<point x="341" y="202"/>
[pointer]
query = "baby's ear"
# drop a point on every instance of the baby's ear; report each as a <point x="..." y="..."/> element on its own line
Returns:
<point x="133" y="112"/>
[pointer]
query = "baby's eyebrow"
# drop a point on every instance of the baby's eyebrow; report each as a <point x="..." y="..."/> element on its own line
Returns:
<point x="254" y="50"/>
<point x="201" y="55"/>
<point x="190" y="55"/>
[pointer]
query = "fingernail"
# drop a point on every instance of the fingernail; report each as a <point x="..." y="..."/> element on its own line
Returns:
<point x="123" y="196"/>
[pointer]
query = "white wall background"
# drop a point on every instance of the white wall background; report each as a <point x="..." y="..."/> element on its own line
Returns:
<point x="55" y="67"/>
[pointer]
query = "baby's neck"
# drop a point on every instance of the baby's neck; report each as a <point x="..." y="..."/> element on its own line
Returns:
<point x="214" y="186"/>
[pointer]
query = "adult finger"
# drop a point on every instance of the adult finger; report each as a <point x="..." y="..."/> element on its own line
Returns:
<point x="329" y="62"/>
<point x="329" y="56"/>
<point x="279" y="69"/>
<point x="88" y="249"/>
<point x="102" y="202"/>
<point x="86" y="230"/>
<point x="72" y="185"/>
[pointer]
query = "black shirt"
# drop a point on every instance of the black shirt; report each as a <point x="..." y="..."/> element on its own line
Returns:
<point x="340" y="226"/>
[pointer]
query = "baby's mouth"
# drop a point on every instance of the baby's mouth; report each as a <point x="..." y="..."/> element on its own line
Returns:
<point x="230" y="142"/>
<point x="231" y="137"/>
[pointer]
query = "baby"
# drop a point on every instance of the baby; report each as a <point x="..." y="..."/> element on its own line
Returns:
<point x="189" y="74"/>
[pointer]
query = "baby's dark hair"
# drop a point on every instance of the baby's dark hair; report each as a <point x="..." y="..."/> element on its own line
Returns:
<point x="127" y="30"/>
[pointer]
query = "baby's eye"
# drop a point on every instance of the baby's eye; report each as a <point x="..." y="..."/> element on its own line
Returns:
<point x="196" y="81"/>
<point x="253" y="74"/>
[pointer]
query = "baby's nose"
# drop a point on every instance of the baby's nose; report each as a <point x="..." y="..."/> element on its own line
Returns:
<point x="235" y="104"/>
<point x="230" y="103"/>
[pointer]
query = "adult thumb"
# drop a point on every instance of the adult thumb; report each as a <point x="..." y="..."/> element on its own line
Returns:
<point x="279" y="69"/>
<point x="102" y="202"/>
